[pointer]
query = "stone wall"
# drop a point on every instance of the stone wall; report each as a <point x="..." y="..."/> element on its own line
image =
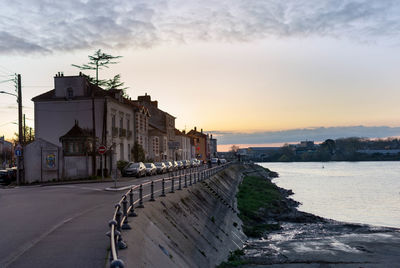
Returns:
<point x="195" y="227"/>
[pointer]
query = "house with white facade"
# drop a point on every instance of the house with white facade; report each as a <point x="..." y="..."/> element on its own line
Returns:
<point x="184" y="151"/>
<point x="118" y="121"/>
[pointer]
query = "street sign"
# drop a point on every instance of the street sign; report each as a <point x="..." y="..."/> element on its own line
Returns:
<point x="18" y="152"/>
<point x="102" y="149"/>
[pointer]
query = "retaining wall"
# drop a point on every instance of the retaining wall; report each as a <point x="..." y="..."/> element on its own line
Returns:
<point x="195" y="227"/>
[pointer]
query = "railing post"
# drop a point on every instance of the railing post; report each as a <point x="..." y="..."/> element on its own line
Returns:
<point x="190" y="179"/>
<point x="118" y="216"/>
<point x="163" y="187"/>
<point x="120" y="243"/>
<point x="117" y="264"/>
<point x="152" y="191"/>
<point x="125" y="225"/>
<point x="132" y="209"/>
<point x="180" y="182"/>
<point x="185" y="185"/>
<point x="173" y="184"/>
<point x="141" y="197"/>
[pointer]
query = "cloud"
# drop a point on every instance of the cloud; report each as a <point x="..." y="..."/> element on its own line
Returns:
<point x="44" y="25"/>
<point x="315" y="134"/>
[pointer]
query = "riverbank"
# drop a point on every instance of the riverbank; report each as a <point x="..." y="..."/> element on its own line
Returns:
<point x="302" y="239"/>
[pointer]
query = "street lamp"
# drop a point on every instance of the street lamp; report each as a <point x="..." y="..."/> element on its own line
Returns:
<point x="4" y="92"/>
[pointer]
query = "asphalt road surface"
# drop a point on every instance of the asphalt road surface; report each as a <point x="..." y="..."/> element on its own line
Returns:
<point x="58" y="226"/>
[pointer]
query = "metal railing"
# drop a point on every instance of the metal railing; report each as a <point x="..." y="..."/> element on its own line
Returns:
<point x="137" y="195"/>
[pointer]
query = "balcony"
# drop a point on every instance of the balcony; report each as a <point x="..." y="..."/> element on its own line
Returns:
<point x="114" y="132"/>
<point x="122" y="132"/>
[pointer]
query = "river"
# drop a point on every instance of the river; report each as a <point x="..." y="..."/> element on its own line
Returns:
<point x="357" y="192"/>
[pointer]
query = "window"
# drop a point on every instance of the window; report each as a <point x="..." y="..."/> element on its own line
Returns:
<point x="121" y="122"/>
<point x="70" y="93"/>
<point x="113" y="120"/>
<point x="128" y="125"/>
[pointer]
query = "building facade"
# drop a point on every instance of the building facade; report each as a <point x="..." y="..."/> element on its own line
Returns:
<point x="119" y="122"/>
<point x="163" y="125"/>
<point x="200" y="144"/>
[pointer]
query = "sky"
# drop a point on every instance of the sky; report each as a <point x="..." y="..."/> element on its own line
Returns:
<point x="251" y="72"/>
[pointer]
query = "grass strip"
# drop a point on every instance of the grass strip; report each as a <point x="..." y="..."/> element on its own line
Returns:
<point x="256" y="193"/>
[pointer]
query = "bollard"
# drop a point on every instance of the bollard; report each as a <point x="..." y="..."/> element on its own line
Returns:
<point x="117" y="264"/>
<point x="163" y="187"/>
<point x="125" y="225"/>
<point x="190" y="181"/>
<point x="132" y="209"/>
<point x="118" y="219"/>
<point x="152" y="191"/>
<point x="140" y="197"/>
<point x="120" y="244"/>
<point x="194" y="177"/>
<point x="172" y="185"/>
<point x="185" y="184"/>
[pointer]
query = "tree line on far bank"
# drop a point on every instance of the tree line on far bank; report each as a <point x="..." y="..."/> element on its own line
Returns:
<point x="343" y="149"/>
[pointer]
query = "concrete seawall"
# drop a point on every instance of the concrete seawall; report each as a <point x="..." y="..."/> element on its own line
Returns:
<point x="195" y="227"/>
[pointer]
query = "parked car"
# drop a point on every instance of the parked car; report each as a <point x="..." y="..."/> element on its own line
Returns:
<point x="134" y="169"/>
<point x="175" y="164"/>
<point x="194" y="162"/>
<point x="180" y="165"/>
<point x="150" y="169"/>
<point x="214" y="160"/>
<point x="4" y="177"/>
<point x="169" y="165"/>
<point x="161" y="167"/>
<point x="223" y="160"/>
<point x="12" y="173"/>
<point x="186" y="163"/>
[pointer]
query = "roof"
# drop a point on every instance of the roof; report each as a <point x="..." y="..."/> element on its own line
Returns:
<point x="196" y="133"/>
<point x="77" y="131"/>
<point x="179" y="133"/>
<point x="156" y="128"/>
<point x="98" y="93"/>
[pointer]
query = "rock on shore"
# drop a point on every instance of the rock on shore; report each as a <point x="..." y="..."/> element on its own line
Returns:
<point x="306" y="240"/>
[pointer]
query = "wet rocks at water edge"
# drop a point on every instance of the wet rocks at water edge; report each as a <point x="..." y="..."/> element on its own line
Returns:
<point x="307" y="240"/>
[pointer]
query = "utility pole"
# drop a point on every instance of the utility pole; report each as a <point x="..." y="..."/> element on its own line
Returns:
<point x="94" y="149"/>
<point x="24" y="129"/>
<point x="19" y="158"/>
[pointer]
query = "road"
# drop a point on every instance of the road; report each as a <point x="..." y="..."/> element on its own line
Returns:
<point x="57" y="226"/>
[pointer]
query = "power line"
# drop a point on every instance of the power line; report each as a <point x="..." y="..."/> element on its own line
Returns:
<point x="11" y="122"/>
<point x="5" y="81"/>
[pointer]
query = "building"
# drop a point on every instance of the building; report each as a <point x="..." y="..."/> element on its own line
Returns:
<point x="119" y="122"/>
<point x="305" y="147"/>
<point x="213" y="146"/>
<point x="200" y="144"/>
<point x="183" y="144"/>
<point x="6" y="153"/>
<point x="162" y="127"/>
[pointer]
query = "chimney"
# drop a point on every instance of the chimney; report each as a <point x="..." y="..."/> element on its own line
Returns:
<point x="201" y="131"/>
<point x="195" y="128"/>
